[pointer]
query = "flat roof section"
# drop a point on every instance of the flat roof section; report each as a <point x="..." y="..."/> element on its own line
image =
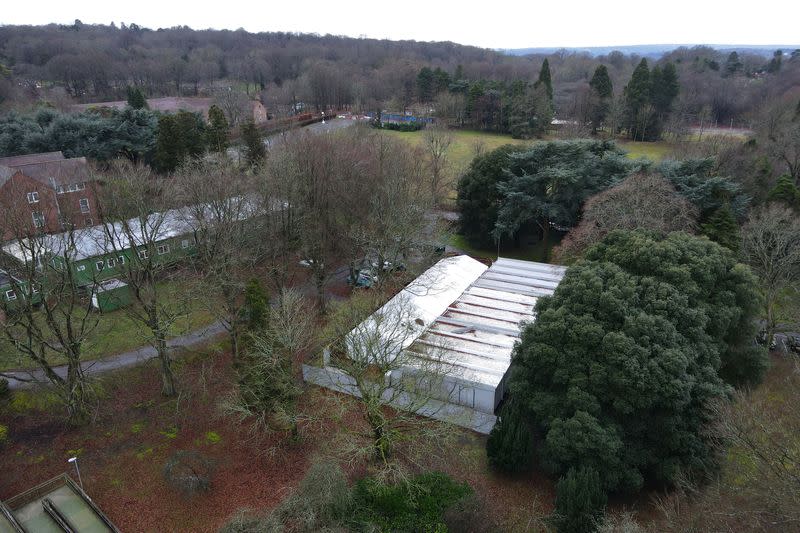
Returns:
<point x="56" y="504"/>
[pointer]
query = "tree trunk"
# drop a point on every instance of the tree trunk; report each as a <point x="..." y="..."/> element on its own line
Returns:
<point x="167" y="377"/>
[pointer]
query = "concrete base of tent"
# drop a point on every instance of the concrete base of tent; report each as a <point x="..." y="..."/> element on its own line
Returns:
<point x="337" y="380"/>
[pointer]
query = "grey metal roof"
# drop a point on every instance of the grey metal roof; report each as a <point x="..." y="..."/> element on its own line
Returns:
<point x="477" y="332"/>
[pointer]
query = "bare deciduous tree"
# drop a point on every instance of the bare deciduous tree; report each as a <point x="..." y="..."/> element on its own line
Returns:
<point x="771" y="246"/>
<point x="395" y="386"/>
<point x="437" y="143"/>
<point x="50" y="319"/>
<point x="136" y="208"/>
<point x="229" y="225"/>
<point x="640" y="201"/>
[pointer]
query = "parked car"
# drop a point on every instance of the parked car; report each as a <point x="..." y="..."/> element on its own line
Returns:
<point x="364" y="279"/>
<point x="793" y="343"/>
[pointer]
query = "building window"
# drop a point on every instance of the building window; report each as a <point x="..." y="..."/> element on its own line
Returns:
<point x="84" y="203"/>
<point x="99" y="266"/>
<point x="11" y="295"/>
<point x="142" y="254"/>
<point x="81" y="268"/>
<point x="38" y="219"/>
<point x="163" y="249"/>
<point x="121" y="259"/>
<point x="81" y="185"/>
<point x="89" y="222"/>
<point x="185" y="243"/>
<point x="33" y="197"/>
<point x="111" y="262"/>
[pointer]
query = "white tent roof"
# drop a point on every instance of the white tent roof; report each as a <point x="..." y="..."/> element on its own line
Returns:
<point x="401" y="320"/>
<point x="469" y="314"/>
<point x="478" y="330"/>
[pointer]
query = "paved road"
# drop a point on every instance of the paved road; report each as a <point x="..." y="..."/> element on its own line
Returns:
<point x="123" y="360"/>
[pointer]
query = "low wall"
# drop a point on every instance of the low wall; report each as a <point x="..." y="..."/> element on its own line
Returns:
<point x="337" y="380"/>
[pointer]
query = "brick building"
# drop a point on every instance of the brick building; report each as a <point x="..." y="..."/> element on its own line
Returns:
<point x="45" y="192"/>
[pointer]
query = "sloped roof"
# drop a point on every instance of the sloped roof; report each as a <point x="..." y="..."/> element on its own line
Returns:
<point x="107" y="238"/>
<point x="478" y="330"/>
<point x="469" y="316"/>
<point x="60" y="172"/>
<point x="17" y="160"/>
<point x="401" y="320"/>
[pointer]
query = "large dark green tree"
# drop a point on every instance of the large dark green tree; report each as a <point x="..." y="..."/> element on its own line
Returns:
<point x="600" y="99"/>
<point x="545" y="80"/>
<point x="218" y="130"/>
<point x="254" y="149"/>
<point x="478" y="196"/>
<point x="180" y="136"/>
<point x="619" y="370"/>
<point x="129" y="133"/>
<point x="554" y="179"/>
<point x="637" y="102"/>
<point x="426" y="84"/>
<point x="530" y="113"/>
<point x="136" y="99"/>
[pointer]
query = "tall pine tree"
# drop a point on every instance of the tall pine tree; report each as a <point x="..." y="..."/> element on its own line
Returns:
<point x="602" y="92"/>
<point x="254" y="149"/>
<point x="637" y="101"/>
<point x="217" y="132"/>
<point x="545" y="79"/>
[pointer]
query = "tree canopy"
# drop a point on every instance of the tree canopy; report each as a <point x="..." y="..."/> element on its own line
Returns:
<point x="618" y="371"/>
<point x="554" y="179"/>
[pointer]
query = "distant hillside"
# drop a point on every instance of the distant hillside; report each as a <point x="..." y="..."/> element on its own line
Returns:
<point x="653" y="50"/>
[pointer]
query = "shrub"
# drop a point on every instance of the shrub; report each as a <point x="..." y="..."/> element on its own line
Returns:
<point x="580" y="501"/>
<point x="321" y="501"/>
<point x="3" y="434"/>
<point x="188" y="472"/>
<point x="400" y="126"/>
<point x="510" y="443"/>
<point x="469" y="515"/>
<point x="418" y="505"/>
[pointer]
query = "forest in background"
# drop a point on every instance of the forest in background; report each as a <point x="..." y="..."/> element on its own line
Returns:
<point x="65" y="64"/>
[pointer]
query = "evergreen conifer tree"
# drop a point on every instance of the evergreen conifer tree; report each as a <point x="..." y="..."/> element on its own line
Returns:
<point x="136" y="99"/>
<point x="580" y="501"/>
<point x="217" y="132"/>
<point x="510" y="443"/>
<point x="545" y="79"/>
<point x="602" y="92"/>
<point x="722" y="228"/>
<point x="254" y="149"/>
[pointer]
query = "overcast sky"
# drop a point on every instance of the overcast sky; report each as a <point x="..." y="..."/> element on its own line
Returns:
<point x="487" y="23"/>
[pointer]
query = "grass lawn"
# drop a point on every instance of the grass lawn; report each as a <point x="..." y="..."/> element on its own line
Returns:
<point x="654" y="151"/>
<point x="118" y="331"/>
<point x="465" y="142"/>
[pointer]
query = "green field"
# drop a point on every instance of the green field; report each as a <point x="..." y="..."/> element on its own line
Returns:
<point x="465" y="144"/>
<point x="117" y="331"/>
<point x="654" y="151"/>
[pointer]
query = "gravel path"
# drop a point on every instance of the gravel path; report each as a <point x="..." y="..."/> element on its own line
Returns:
<point x="21" y="378"/>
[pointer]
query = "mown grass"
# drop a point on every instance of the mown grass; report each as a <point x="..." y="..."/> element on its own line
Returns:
<point x="118" y="331"/>
<point x="654" y="151"/>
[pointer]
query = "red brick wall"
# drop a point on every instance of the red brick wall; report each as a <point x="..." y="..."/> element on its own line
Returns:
<point x="17" y="212"/>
